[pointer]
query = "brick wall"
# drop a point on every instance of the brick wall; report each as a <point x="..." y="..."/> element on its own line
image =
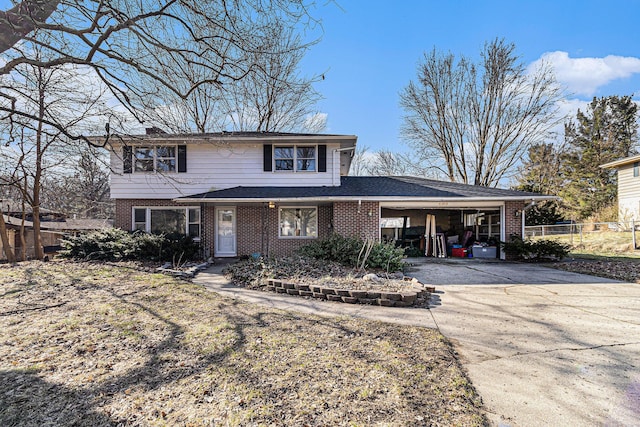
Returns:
<point x="352" y="219"/>
<point x="513" y="223"/>
<point x="207" y="228"/>
<point x="257" y="231"/>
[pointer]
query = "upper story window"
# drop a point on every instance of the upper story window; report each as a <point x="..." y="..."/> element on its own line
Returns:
<point x="158" y="158"/>
<point x="154" y="158"/>
<point x="294" y="158"/>
<point x="636" y="169"/>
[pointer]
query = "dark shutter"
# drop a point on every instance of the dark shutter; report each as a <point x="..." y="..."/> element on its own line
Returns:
<point x="127" y="154"/>
<point x="322" y="158"/>
<point x="267" y="163"/>
<point x="182" y="158"/>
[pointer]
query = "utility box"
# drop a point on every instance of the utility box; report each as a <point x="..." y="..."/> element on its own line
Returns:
<point x="484" y="251"/>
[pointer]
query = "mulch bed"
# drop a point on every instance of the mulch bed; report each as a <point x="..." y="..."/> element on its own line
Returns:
<point x="627" y="270"/>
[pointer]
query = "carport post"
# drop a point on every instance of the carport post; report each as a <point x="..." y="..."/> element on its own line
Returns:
<point x="633" y="233"/>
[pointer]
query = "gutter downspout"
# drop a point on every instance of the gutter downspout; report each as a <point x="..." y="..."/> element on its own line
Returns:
<point x="336" y="151"/>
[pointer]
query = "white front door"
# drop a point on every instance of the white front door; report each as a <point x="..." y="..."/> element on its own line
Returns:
<point x="225" y="232"/>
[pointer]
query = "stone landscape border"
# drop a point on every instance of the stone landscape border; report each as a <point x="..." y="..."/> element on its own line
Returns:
<point x="417" y="294"/>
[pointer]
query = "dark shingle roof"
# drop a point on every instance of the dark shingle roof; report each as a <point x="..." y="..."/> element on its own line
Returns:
<point x="371" y="187"/>
<point x="230" y="135"/>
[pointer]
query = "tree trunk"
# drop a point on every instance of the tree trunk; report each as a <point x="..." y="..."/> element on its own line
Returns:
<point x="5" y="240"/>
<point x="37" y="240"/>
<point x="35" y="202"/>
<point x="23" y="18"/>
<point x="23" y="241"/>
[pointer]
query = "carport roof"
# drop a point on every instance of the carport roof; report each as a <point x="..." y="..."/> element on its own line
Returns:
<point x="367" y="188"/>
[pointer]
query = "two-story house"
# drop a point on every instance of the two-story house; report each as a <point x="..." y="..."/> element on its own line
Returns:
<point x="240" y="193"/>
<point x="628" y="170"/>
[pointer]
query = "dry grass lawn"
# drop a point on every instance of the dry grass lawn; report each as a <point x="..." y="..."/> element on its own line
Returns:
<point x="604" y="243"/>
<point x="95" y="344"/>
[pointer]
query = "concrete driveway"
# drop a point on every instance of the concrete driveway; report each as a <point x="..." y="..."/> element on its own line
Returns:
<point x="543" y="347"/>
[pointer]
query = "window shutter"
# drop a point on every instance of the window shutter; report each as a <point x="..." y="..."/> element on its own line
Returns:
<point x="267" y="162"/>
<point x="322" y="158"/>
<point x="182" y="158"/>
<point x="127" y="154"/>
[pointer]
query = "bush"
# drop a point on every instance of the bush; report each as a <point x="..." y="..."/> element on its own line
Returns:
<point x="535" y="250"/>
<point x="343" y="250"/>
<point x="115" y="244"/>
<point x="347" y="251"/>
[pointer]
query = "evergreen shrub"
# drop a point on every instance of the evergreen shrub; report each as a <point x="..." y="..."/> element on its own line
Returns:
<point x="348" y="250"/>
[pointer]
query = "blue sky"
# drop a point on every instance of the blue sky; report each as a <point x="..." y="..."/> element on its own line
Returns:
<point x="370" y="51"/>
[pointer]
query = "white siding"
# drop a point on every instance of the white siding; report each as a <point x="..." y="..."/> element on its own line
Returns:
<point x="628" y="194"/>
<point x="215" y="167"/>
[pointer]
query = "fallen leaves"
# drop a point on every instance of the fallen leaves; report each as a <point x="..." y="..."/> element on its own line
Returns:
<point x="137" y="348"/>
<point x="627" y="270"/>
<point x="255" y="273"/>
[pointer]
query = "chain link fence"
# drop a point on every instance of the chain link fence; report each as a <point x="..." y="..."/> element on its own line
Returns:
<point x="605" y="237"/>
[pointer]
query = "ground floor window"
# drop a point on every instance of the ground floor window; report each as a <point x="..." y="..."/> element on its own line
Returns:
<point x="298" y="222"/>
<point x="168" y="220"/>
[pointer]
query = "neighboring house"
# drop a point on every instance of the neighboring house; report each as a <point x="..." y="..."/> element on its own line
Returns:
<point x="240" y="193"/>
<point x="53" y="227"/>
<point x="628" y="187"/>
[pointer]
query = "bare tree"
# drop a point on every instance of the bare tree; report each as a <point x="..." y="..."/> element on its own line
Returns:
<point x="274" y="96"/>
<point x="121" y="41"/>
<point x="22" y="19"/>
<point x="82" y="190"/>
<point x="50" y="99"/>
<point x="387" y="163"/>
<point x="359" y="162"/>
<point x="474" y="122"/>
<point x="4" y="238"/>
<point x="201" y="111"/>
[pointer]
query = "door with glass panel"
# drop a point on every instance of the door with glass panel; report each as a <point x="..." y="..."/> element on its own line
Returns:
<point x="225" y="232"/>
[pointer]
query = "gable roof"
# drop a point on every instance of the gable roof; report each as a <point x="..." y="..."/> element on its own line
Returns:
<point x="250" y="137"/>
<point x="368" y="188"/>
<point x="621" y="162"/>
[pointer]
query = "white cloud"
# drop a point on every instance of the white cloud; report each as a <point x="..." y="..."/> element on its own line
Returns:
<point x="583" y="76"/>
<point x="316" y="122"/>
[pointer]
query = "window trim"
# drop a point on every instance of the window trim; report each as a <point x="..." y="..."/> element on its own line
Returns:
<point x="295" y="158"/>
<point x="147" y="222"/>
<point x="156" y="158"/>
<point x="281" y="208"/>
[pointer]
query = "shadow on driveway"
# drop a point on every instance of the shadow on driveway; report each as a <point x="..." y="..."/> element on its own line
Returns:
<point x="542" y="346"/>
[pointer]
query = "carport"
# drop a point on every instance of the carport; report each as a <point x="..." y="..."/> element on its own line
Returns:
<point x="434" y="218"/>
<point x="434" y="229"/>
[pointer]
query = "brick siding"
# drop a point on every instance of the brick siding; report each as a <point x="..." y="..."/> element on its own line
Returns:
<point x="513" y="222"/>
<point x="352" y="219"/>
<point x="257" y="231"/>
<point x="257" y="225"/>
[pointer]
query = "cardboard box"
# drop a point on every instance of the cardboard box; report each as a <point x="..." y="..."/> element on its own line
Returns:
<point x="484" y="251"/>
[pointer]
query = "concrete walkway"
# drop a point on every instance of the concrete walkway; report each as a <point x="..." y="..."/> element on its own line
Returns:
<point x="542" y="347"/>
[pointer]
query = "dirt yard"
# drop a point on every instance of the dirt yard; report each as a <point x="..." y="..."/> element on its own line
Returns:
<point x="97" y="345"/>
